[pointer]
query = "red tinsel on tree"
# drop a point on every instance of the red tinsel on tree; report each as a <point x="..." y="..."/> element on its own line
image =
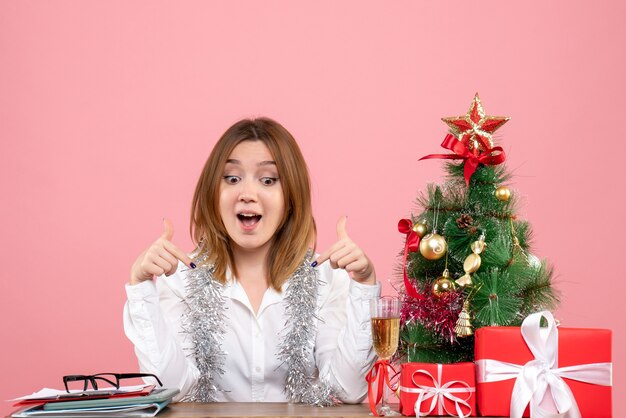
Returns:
<point x="438" y="314"/>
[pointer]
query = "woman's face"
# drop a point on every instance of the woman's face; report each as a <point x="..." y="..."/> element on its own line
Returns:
<point x="251" y="196"/>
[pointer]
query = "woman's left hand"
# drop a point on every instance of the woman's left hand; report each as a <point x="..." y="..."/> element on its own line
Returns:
<point x="347" y="255"/>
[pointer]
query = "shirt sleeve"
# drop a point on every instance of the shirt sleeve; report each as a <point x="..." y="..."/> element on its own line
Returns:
<point x="152" y="322"/>
<point x="343" y="349"/>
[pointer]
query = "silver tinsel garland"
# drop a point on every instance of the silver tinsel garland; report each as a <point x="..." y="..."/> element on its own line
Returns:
<point x="297" y="345"/>
<point x="204" y="322"/>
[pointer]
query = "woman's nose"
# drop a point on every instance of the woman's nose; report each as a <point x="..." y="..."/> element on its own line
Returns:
<point x="248" y="192"/>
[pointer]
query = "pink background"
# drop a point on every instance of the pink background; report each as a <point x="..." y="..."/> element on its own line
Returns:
<point x="109" y="109"/>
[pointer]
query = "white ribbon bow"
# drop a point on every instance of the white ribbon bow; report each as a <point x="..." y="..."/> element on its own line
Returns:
<point x="438" y="392"/>
<point x="535" y="378"/>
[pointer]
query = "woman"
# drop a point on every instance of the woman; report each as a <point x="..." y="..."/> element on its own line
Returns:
<point x="250" y="316"/>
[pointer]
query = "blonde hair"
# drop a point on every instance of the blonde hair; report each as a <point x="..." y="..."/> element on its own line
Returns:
<point x="296" y="232"/>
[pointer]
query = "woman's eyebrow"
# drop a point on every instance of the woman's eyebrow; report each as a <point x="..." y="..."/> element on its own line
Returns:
<point x="262" y="163"/>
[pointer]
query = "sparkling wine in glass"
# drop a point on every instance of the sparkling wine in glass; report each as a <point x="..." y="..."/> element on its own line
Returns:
<point x="385" y="314"/>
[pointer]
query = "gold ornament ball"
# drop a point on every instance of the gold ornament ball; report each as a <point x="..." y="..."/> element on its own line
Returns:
<point x="503" y="193"/>
<point x="433" y="246"/>
<point x="443" y="285"/>
<point x="420" y="229"/>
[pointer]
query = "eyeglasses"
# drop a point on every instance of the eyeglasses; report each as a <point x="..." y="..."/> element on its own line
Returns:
<point x="111" y="378"/>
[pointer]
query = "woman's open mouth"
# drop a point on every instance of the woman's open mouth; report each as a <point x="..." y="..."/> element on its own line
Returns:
<point x="248" y="220"/>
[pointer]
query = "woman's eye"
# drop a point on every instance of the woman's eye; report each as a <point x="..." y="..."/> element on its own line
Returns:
<point x="232" y="179"/>
<point x="268" y="181"/>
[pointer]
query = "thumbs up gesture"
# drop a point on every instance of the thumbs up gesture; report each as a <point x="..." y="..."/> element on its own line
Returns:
<point x="347" y="255"/>
<point x="160" y="258"/>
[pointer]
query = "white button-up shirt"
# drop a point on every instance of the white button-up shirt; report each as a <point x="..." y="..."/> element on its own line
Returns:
<point x="342" y="353"/>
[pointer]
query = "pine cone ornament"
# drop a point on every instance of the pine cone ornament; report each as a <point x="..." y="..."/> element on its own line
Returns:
<point x="464" y="221"/>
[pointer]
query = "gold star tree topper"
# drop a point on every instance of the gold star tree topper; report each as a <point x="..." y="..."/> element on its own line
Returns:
<point x="474" y="129"/>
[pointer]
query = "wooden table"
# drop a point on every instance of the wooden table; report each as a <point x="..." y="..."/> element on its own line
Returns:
<point x="252" y="409"/>
<point x="260" y="409"/>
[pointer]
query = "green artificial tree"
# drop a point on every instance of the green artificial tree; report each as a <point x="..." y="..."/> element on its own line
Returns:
<point x="468" y="262"/>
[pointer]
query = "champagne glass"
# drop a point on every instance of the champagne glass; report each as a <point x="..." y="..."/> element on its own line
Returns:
<point x="385" y="314"/>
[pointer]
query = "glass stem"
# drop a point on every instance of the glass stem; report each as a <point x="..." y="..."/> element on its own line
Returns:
<point x="385" y="409"/>
<point x="383" y="402"/>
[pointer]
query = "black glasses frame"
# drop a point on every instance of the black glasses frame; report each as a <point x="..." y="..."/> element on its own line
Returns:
<point x="107" y="377"/>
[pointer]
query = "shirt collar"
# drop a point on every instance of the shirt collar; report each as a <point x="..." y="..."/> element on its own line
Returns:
<point x="234" y="290"/>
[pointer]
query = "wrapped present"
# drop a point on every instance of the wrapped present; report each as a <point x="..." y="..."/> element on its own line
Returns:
<point x="438" y="389"/>
<point x="540" y="371"/>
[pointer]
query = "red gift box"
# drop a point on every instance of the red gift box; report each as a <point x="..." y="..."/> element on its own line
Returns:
<point x="440" y="389"/>
<point x="589" y="350"/>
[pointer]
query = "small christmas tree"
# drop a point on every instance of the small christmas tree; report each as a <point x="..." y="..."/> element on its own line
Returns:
<point x="467" y="257"/>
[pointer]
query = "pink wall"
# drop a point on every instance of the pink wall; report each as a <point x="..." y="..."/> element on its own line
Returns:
<point x="109" y="109"/>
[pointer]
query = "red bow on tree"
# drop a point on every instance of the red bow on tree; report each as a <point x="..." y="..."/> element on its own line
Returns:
<point x="405" y="226"/>
<point x="492" y="156"/>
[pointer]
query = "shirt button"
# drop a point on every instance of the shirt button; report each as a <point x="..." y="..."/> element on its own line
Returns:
<point x="258" y="369"/>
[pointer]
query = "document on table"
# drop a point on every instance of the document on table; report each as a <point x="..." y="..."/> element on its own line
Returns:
<point x="47" y="394"/>
<point x="137" y="410"/>
<point x="92" y="407"/>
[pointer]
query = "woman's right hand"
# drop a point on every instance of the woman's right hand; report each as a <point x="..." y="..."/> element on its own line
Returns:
<point x="160" y="258"/>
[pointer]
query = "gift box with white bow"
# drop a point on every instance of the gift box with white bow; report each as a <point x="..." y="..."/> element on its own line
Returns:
<point x="543" y="371"/>
<point x="428" y="389"/>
